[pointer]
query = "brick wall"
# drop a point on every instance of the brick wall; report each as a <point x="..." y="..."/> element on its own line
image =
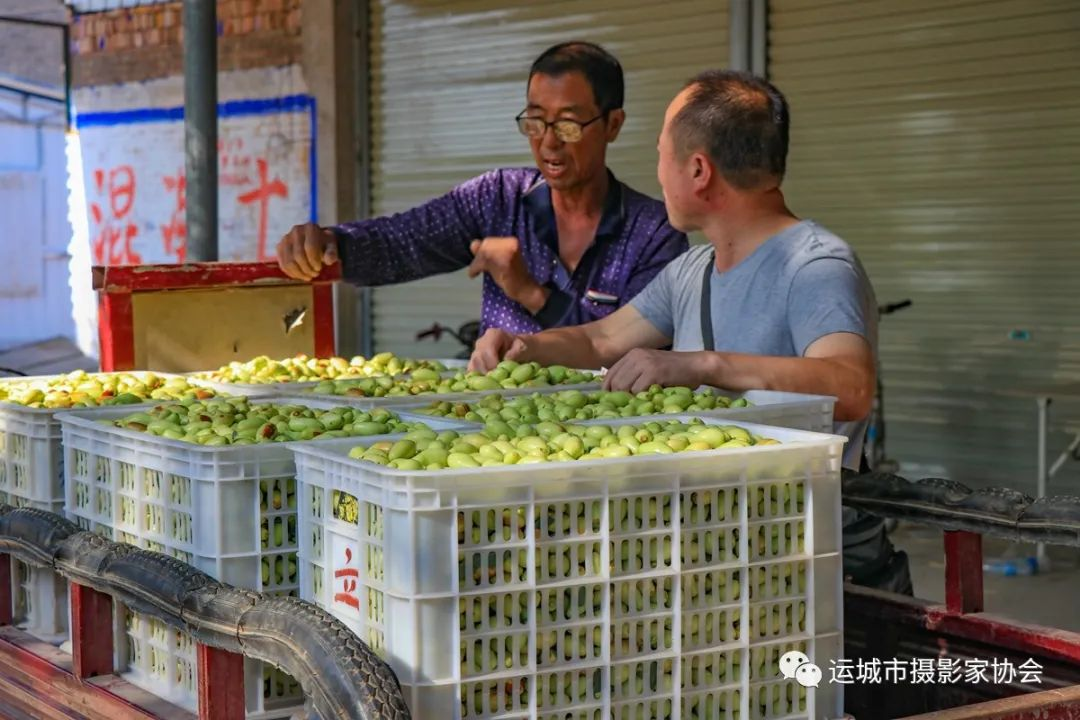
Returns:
<point x="143" y="43"/>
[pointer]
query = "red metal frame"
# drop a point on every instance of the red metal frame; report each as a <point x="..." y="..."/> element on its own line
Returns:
<point x="116" y="284"/>
<point x="37" y="678"/>
<point x="1054" y="644"/>
<point x="322" y="301"/>
<point x="91" y="632"/>
<point x="36" y="681"/>
<point x="220" y="674"/>
<point x="884" y="625"/>
<point x="7" y="602"/>
<point x="116" y="331"/>
<point x="134" y="278"/>
<point x="1048" y="705"/>
<point x="963" y="572"/>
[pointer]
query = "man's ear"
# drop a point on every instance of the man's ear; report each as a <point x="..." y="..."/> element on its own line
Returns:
<point x="615" y="120"/>
<point x="701" y="171"/>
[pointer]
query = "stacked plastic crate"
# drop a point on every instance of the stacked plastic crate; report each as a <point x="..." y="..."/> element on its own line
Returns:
<point x="32" y="475"/>
<point x="229" y="511"/>
<point x="661" y="586"/>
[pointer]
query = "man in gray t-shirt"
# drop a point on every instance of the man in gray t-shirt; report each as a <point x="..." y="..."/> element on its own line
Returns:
<point x="772" y="302"/>
<point x="798" y="286"/>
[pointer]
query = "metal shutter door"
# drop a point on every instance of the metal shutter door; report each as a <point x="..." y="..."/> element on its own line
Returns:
<point x="447" y="78"/>
<point x="941" y="140"/>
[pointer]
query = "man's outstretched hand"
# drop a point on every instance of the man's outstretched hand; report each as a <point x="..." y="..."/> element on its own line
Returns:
<point x="305" y="250"/>
<point x="500" y="257"/>
<point x="495" y="346"/>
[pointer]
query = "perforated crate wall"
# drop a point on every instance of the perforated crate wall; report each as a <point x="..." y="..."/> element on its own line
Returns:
<point x="31" y="460"/>
<point x="230" y="512"/>
<point x="39" y="601"/>
<point x="618" y="588"/>
<point x="32" y="475"/>
<point x="162" y="660"/>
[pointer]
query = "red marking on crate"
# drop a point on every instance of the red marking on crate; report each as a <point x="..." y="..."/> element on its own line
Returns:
<point x="350" y="600"/>
<point x="348" y="584"/>
<point x="221" y="684"/>
<point x="91" y="631"/>
<point x="963" y="572"/>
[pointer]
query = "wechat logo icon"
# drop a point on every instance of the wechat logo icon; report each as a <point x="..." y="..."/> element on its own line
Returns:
<point x="795" y="665"/>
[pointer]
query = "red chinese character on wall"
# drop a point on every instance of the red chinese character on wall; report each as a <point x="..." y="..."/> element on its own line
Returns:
<point x="174" y="234"/>
<point x="262" y="194"/>
<point x="348" y="576"/>
<point x="115" y="232"/>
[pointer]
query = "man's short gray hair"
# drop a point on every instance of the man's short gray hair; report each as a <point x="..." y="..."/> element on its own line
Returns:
<point x="741" y="122"/>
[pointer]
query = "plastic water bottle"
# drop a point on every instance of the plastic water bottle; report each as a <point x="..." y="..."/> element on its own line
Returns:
<point x="1012" y="567"/>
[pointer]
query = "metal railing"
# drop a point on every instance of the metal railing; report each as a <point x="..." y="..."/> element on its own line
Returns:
<point x="949" y="505"/>
<point x="341" y="677"/>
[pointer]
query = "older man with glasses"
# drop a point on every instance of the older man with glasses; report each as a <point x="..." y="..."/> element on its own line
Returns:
<point x="560" y="244"/>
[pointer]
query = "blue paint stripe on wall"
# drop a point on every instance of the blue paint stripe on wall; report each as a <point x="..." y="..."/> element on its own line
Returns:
<point x="230" y="108"/>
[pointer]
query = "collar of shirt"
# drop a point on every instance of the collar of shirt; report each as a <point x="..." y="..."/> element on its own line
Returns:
<point x="537" y="201"/>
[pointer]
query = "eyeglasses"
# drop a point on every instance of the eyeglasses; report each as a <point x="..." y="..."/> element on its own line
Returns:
<point x="567" y="131"/>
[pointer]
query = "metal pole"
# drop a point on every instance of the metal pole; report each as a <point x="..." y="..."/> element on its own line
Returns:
<point x="200" y="128"/>
<point x="759" y="38"/>
<point x="1043" y="403"/>
<point x="362" y="59"/>
<point x="739" y="19"/>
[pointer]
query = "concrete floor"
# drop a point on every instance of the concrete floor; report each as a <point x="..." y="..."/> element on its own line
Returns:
<point x="1049" y="598"/>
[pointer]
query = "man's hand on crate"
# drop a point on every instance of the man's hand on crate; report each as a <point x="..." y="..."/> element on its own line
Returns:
<point x="641" y="368"/>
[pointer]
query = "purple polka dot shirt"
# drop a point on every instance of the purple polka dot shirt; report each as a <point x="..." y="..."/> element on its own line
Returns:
<point x="633" y="243"/>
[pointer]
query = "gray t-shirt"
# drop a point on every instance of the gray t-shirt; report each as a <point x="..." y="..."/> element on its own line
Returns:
<point x="798" y="286"/>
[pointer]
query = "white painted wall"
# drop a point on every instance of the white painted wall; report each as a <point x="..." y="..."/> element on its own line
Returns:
<point x="35" y="302"/>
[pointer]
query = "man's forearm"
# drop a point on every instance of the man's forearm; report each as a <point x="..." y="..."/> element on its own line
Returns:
<point x="532" y="296"/>
<point x="851" y="384"/>
<point x="570" y="346"/>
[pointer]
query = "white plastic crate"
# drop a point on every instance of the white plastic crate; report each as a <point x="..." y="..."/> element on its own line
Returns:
<point x="31" y="460"/>
<point x="767" y="407"/>
<point x="647" y="586"/>
<point x="31" y="463"/>
<point x="32" y="475"/>
<point x="229" y="511"/>
<point x="797" y="411"/>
